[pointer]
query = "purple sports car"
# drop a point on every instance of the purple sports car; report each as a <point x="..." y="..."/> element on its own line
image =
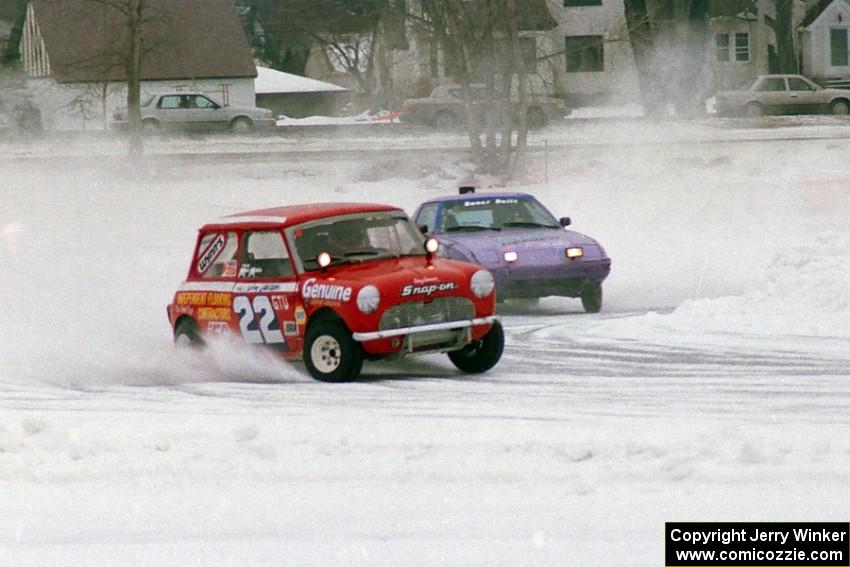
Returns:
<point x="528" y="250"/>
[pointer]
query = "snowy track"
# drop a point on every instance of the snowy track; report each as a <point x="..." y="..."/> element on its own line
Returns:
<point x="714" y="386"/>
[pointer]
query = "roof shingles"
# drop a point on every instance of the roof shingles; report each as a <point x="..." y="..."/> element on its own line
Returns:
<point x="86" y="40"/>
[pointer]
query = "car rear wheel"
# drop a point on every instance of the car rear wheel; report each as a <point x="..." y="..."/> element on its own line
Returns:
<point x="330" y="354"/>
<point x="187" y="335"/>
<point x="446" y="120"/>
<point x="754" y="110"/>
<point x="536" y="118"/>
<point x="591" y="298"/>
<point x="481" y="356"/>
<point x="242" y="125"/>
<point x="840" y="107"/>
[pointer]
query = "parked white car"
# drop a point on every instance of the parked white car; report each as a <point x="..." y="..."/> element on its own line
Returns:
<point x="190" y="111"/>
<point x="782" y="94"/>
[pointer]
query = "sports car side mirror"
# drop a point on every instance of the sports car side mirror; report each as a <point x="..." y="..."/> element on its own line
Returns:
<point x="423" y="228"/>
<point x="565" y="221"/>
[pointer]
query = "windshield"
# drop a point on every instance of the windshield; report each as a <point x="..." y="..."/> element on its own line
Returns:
<point x="498" y="213"/>
<point x="357" y="238"/>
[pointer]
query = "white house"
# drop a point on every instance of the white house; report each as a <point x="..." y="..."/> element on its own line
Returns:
<point x="824" y="37"/>
<point x="73" y="51"/>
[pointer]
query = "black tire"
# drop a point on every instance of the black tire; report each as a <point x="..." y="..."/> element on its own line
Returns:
<point x="187" y="334"/>
<point x="242" y="125"/>
<point x="840" y="107"/>
<point x="151" y="127"/>
<point x="330" y="354"/>
<point x="536" y="118"/>
<point x="481" y="356"/>
<point x="753" y="110"/>
<point x="591" y="298"/>
<point x="445" y="120"/>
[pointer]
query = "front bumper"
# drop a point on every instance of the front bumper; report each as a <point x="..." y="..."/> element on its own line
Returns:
<point x="567" y="280"/>
<point x="404" y="331"/>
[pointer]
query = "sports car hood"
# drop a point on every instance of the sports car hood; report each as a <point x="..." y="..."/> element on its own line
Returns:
<point x="486" y="247"/>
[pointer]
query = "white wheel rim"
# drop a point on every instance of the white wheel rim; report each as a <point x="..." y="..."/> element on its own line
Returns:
<point x="326" y="354"/>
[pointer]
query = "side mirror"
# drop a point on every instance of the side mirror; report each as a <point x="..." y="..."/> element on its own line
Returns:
<point x="565" y="221"/>
<point x="423" y="228"/>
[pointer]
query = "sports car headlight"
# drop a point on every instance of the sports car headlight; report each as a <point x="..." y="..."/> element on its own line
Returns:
<point x="482" y="283"/>
<point x="511" y="256"/>
<point x="574" y="253"/>
<point x="368" y="299"/>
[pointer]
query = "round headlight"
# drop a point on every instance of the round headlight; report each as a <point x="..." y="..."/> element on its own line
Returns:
<point x="432" y="245"/>
<point x="323" y="259"/>
<point x="482" y="283"/>
<point x="368" y="299"/>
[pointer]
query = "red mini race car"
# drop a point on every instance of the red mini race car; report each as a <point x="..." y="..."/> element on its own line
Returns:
<point x="335" y="284"/>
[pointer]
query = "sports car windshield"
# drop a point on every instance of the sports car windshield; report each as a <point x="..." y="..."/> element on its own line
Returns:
<point x="496" y="213"/>
<point x="357" y="238"/>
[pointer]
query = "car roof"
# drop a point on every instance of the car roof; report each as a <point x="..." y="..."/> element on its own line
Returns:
<point x="477" y="197"/>
<point x="293" y="214"/>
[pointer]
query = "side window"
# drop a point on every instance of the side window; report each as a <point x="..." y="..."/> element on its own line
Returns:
<point x="217" y="255"/>
<point x="204" y="102"/>
<point x="264" y="255"/>
<point x="772" y="84"/>
<point x="796" y="84"/>
<point x="427" y="216"/>
<point x="169" y="102"/>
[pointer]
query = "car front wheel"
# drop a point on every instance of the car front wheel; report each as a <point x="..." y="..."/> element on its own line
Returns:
<point x="330" y="354"/>
<point x="151" y="127"/>
<point x="481" y="356"/>
<point x="841" y="108"/>
<point x="754" y="110"/>
<point x="591" y="298"/>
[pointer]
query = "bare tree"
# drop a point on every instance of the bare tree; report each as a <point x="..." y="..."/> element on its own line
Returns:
<point x="480" y="40"/>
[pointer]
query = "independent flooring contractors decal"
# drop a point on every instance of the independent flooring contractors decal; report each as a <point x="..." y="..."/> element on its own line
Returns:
<point x="757" y="544"/>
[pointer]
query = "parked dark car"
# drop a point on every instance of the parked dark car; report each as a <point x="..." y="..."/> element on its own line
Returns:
<point x="782" y="94"/>
<point x="444" y="107"/>
<point x="196" y="112"/>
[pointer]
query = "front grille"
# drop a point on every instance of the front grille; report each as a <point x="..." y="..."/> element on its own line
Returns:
<point x="415" y="313"/>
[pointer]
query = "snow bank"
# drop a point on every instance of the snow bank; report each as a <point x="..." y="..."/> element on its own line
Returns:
<point x="803" y="292"/>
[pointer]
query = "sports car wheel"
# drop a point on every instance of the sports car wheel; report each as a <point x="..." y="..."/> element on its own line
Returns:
<point x="840" y="107"/>
<point x="187" y="335"/>
<point x="591" y="298"/>
<point x="331" y="355"/>
<point x="482" y="355"/>
<point x="754" y="110"/>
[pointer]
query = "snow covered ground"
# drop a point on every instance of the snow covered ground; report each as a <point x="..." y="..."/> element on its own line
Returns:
<point x="714" y="385"/>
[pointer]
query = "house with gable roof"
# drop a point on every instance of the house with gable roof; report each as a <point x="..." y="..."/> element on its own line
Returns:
<point x="73" y="52"/>
<point x="824" y="37"/>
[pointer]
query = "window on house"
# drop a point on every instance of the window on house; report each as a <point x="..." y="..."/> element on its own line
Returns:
<point x="721" y="43"/>
<point x="838" y="47"/>
<point x="585" y="53"/>
<point x="742" y="47"/>
<point x="574" y="3"/>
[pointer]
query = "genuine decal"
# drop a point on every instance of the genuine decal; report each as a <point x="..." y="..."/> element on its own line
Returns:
<point x="211" y="253"/>
<point x="428" y="289"/>
<point x="326" y="292"/>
